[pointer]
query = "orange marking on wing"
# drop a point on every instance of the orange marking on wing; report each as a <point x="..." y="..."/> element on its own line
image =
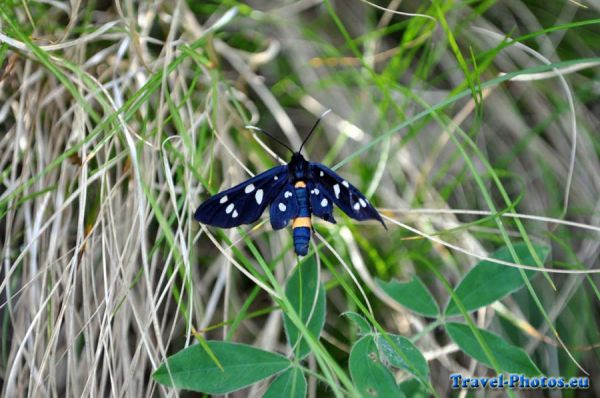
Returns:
<point x="301" y="222"/>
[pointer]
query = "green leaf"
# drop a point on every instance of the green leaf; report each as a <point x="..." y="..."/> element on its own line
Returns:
<point x="363" y="325"/>
<point x="242" y="365"/>
<point x="404" y="355"/>
<point x="370" y="376"/>
<point x="413" y="295"/>
<point x="510" y="359"/>
<point x="413" y="389"/>
<point x="301" y="290"/>
<point x="289" y="384"/>
<point x="488" y="282"/>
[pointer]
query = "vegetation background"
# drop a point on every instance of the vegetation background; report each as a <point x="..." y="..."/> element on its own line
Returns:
<point x="472" y="127"/>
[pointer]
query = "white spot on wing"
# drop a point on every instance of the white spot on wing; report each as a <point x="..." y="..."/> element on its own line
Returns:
<point x="321" y="174"/>
<point x="249" y="188"/>
<point x="229" y="208"/>
<point x="362" y="202"/>
<point x="259" y="196"/>
<point x="317" y="191"/>
<point x="287" y="194"/>
<point x="235" y="214"/>
<point x="276" y="178"/>
<point x="223" y="199"/>
<point x="282" y="207"/>
<point x="345" y="183"/>
<point x="324" y="202"/>
<point x="336" y="189"/>
<point x="356" y="206"/>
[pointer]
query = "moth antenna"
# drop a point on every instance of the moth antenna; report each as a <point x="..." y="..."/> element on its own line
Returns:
<point x="269" y="135"/>
<point x="313" y="128"/>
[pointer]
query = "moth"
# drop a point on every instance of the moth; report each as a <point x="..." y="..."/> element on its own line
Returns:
<point x="292" y="192"/>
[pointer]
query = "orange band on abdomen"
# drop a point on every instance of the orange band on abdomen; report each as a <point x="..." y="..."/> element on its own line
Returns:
<point x="299" y="184"/>
<point x="301" y="222"/>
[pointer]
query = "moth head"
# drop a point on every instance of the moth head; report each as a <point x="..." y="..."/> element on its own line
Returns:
<point x="297" y="158"/>
<point x="298" y="167"/>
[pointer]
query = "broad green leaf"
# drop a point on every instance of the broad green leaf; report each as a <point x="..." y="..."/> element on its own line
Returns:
<point x="289" y="384"/>
<point x="404" y="355"/>
<point x="301" y="290"/>
<point x="414" y="389"/>
<point x="509" y="358"/>
<point x="369" y="374"/>
<point x="488" y="282"/>
<point x="194" y="369"/>
<point x="412" y="294"/>
<point x="363" y="325"/>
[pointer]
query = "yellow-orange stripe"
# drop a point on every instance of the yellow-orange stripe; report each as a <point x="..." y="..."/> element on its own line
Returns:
<point x="300" y="184"/>
<point x="301" y="222"/>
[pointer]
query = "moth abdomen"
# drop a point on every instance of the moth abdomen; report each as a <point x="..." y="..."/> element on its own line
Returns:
<point x="301" y="239"/>
<point x="301" y="226"/>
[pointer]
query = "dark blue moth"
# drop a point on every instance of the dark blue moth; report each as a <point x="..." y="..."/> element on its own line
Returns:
<point x="292" y="192"/>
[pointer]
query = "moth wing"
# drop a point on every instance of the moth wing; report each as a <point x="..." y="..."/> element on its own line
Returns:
<point x="284" y="207"/>
<point x="347" y="197"/>
<point x="243" y="203"/>
<point x="320" y="204"/>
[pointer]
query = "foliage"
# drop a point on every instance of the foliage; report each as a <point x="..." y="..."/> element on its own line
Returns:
<point x="471" y="126"/>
